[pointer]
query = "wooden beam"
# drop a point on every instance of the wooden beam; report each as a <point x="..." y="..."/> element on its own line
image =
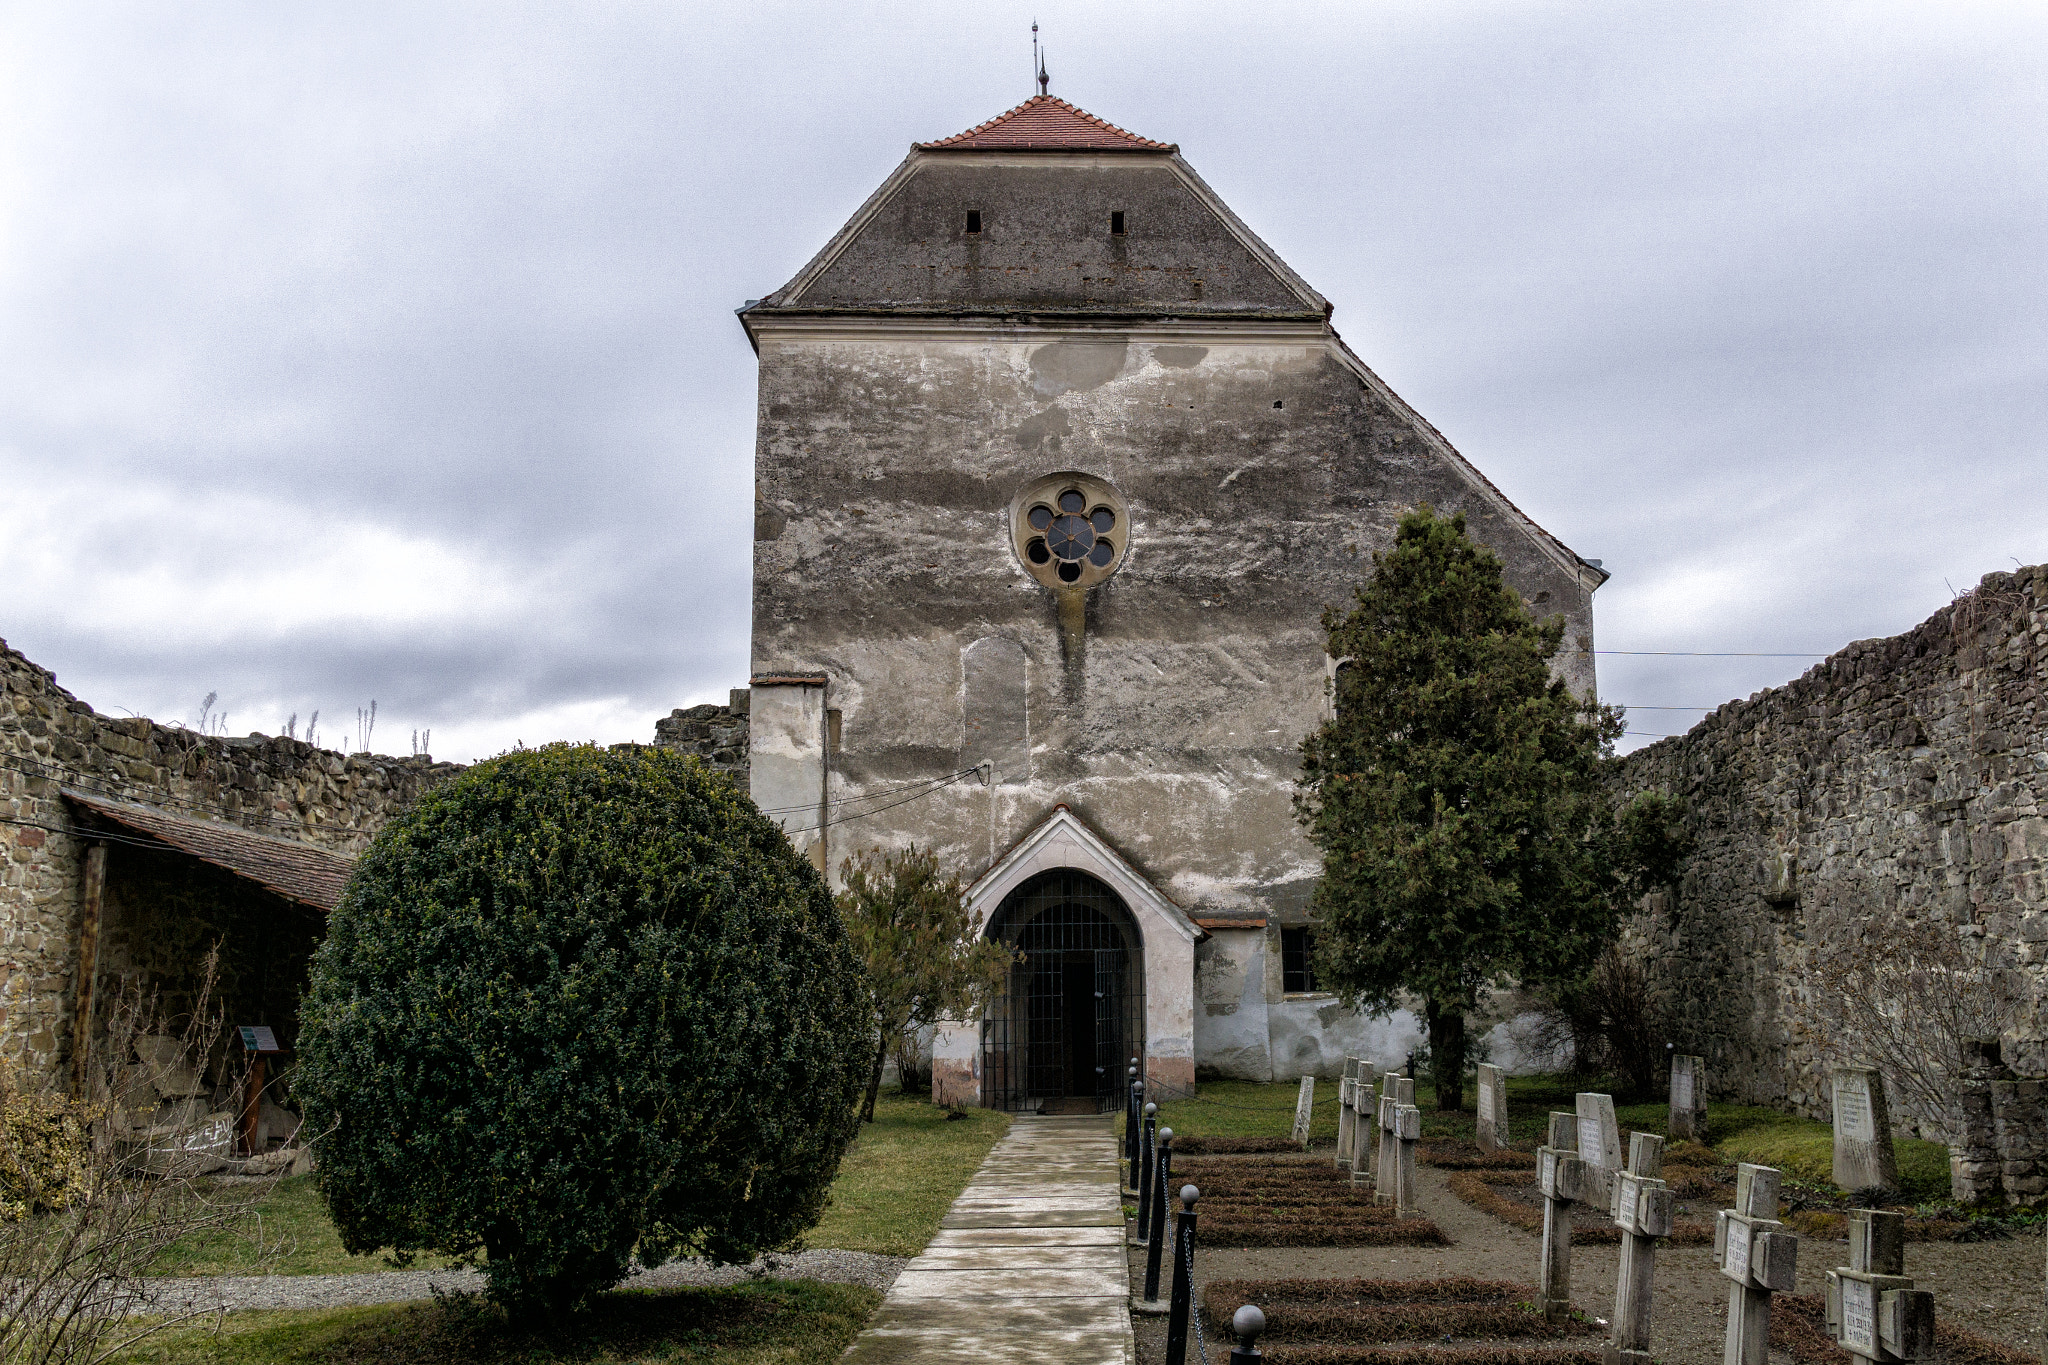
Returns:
<point x="88" y="964"/>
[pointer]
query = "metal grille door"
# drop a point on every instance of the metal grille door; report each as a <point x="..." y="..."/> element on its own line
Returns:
<point x="1074" y="1008"/>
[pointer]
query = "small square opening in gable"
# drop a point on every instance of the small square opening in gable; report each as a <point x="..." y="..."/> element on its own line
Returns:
<point x="973" y="220"/>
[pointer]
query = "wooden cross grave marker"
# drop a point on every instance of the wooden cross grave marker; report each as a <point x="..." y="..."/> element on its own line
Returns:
<point x="1345" y="1118"/>
<point x="1400" y="1129"/>
<point x="1492" y="1125"/>
<point x="1641" y="1208"/>
<point x="1558" y="1173"/>
<point x="1752" y="1248"/>
<point x="1873" y="1310"/>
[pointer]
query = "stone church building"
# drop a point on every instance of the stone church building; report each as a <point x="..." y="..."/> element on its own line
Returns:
<point x="1058" y="466"/>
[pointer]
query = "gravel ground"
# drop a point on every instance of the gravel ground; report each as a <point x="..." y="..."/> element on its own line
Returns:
<point x="1994" y="1288"/>
<point x="210" y="1293"/>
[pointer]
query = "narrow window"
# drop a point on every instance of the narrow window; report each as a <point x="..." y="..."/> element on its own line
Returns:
<point x="974" y="220"/>
<point x="1116" y="223"/>
<point x="833" y="721"/>
<point x="1297" y="960"/>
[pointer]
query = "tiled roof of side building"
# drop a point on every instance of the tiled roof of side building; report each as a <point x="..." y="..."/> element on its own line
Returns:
<point x="298" y="872"/>
<point x="1043" y="123"/>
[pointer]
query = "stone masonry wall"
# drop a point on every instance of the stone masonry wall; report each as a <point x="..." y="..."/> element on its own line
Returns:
<point x="1905" y="776"/>
<point x="50" y="739"/>
<point x="716" y="734"/>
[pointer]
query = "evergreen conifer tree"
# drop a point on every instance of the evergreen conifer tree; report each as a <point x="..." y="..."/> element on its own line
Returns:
<point x="1457" y="796"/>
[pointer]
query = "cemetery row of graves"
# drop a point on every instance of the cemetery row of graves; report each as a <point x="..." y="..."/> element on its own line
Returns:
<point x="1587" y="1183"/>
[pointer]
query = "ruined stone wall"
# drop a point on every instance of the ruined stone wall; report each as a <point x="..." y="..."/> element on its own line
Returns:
<point x="1902" y="777"/>
<point x="716" y="734"/>
<point x="50" y="739"/>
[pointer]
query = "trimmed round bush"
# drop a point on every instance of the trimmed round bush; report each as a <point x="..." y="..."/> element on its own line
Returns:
<point x="579" y="1005"/>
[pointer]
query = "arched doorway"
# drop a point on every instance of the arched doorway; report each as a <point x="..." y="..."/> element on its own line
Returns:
<point x="1072" y="1011"/>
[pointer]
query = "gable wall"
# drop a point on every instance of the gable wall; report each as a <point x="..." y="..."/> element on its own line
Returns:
<point x="1046" y="241"/>
<point x="884" y="475"/>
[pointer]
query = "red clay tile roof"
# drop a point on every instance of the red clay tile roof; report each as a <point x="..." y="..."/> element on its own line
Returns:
<point x="298" y="872"/>
<point x="1045" y="124"/>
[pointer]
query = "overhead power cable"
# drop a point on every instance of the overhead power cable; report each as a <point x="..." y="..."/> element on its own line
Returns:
<point x="931" y="789"/>
<point x="870" y="796"/>
<point x="80" y="832"/>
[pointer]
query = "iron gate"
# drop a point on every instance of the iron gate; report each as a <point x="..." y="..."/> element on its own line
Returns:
<point x="1073" y="1009"/>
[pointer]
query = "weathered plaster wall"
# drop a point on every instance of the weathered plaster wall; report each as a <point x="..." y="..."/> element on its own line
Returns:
<point x="50" y="739"/>
<point x="885" y="470"/>
<point x="1902" y="775"/>
<point x="1164" y="706"/>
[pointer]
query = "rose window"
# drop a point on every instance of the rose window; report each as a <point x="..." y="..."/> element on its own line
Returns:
<point x="1070" y="534"/>
<point x="1071" y="530"/>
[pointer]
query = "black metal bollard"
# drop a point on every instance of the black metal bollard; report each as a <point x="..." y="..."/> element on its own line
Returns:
<point x="1247" y="1322"/>
<point x="1183" y="1278"/>
<point x="1132" y="1098"/>
<point x="1145" y="1185"/>
<point x="1156" y="1244"/>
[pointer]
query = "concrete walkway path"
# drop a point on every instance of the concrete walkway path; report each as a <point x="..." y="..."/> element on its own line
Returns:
<point x="1028" y="1265"/>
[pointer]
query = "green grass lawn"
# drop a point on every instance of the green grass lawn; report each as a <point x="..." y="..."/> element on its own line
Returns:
<point x="1801" y="1147"/>
<point x="772" y="1322"/>
<point x="902" y="1173"/>
<point x="288" y="1233"/>
<point x="1249" y="1109"/>
<point x="894" y="1186"/>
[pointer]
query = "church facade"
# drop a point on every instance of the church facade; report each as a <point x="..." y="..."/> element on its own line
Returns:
<point x="1058" y="466"/>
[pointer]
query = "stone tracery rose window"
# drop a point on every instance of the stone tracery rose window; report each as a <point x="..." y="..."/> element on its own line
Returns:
<point x="1071" y="530"/>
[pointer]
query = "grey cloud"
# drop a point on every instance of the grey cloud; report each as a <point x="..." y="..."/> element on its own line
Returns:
<point x="1749" y="286"/>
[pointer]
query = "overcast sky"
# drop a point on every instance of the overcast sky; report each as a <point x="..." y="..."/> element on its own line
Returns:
<point x="355" y="351"/>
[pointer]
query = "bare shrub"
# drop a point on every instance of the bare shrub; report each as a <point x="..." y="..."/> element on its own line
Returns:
<point x="1610" y="1023"/>
<point x="94" y="1189"/>
<point x="1903" y="994"/>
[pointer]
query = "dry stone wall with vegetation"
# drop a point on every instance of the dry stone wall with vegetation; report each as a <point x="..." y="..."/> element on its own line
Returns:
<point x="50" y="739"/>
<point x="717" y="734"/>
<point x="1880" y="821"/>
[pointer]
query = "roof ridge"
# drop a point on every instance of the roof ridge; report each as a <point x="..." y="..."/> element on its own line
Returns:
<point x="1110" y="136"/>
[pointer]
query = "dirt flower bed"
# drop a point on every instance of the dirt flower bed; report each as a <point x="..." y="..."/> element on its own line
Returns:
<point x="1378" y="1322"/>
<point x="1512" y="1197"/>
<point x="1232" y="1146"/>
<point x="1799" y="1328"/>
<point x="1310" y="1204"/>
<point x="1460" y="1154"/>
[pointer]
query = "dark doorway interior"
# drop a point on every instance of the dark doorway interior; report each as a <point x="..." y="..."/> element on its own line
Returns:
<point x="1073" y="1010"/>
<point x="1077" y="1023"/>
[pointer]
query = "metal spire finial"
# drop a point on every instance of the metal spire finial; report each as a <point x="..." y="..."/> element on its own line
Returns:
<point x="1038" y="60"/>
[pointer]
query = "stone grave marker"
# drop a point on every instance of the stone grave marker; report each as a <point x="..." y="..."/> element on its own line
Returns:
<point x="1688" y="1096"/>
<point x="1370" y="1112"/>
<point x="1304" y="1109"/>
<point x="1863" y="1131"/>
<point x="1399" y="1094"/>
<point x="1642" y="1210"/>
<point x="1345" y="1087"/>
<point x="1408" y="1129"/>
<point x="1599" y="1149"/>
<point x="1873" y="1310"/>
<point x="1361" y="1123"/>
<point x="1752" y="1248"/>
<point x="1557" y="1173"/>
<point x="1493" y="1109"/>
